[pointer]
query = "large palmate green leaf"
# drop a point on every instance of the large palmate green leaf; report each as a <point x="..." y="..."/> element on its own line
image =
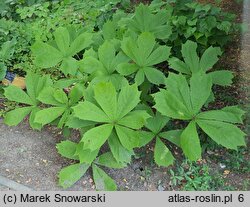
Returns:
<point x="184" y="101"/>
<point x="62" y="52"/>
<point x="114" y="114"/>
<point x="156" y="124"/>
<point x="193" y="64"/>
<point x="144" y="53"/>
<point x="102" y="66"/>
<point x="59" y="105"/>
<point x="180" y="106"/>
<point x="34" y="84"/>
<point x="59" y="101"/>
<point x="145" y="21"/>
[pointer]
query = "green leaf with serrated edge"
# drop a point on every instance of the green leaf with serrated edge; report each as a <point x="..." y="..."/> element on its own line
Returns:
<point x="230" y="114"/>
<point x="146" y="43"/>
<point x="139" y="77"/>
<point x="178" y="86"/>
<point x="48" y="115"/>
<point x="200" y="90"/>
<point x="179" y="65"/>
<point x="60" y="96"/>
<point x="96" y="137"/>
<point x="90" y="112"/>
<point x="172" y="136"/>
<point x="14" y="117"/>
<point x="80" y="43"/>
<point x="109" y="30"/>
<point x="209" y="58"/>
<point x="135" y="119"/>
<point x="117" y="80"/>
<point x="14" y="93"/>
<point x="31" y="81"/>
<point x="71" y="174"/>
<point x="190" y="55"/>
<point x="63" y="118"/>
<point x="119" y="58"/>
<point x="76" y="93"/>
<point x="129" y="47"/>
<point x="156" y="123"/>
<point x="145" y="138"/>
<point x="46" y="96"/>
<point x="67" y="149"/>
<point x="64" y="83"/>
<point x="190" y="142"/>
<point x="90" y="65"/>
<point x="120" y="153"/>
<point x="76" y="123"/>
<point x="145" y="21"/>
<point x="162" y="155"/>
<point x="154" y="75"/>
<point x="85" y="155"/>
<point x="222" y="77"/>
<point x="107" y="159"/>
<point x="35" y="82"/>
<point x="174" y="108"/>
<point x="225" y="134"/>
<point x="62" y="39"/>
<point x="106" y="97"/>
<point x="143" y="54"/>
<point x="127" y="68"/>
<point x="46" y="56"/>
<point x="106" y="53"/>
<point x="102" y="181"/>
<point x="32" y="122"/>
<point x="159" y="55"/>
<point x="128" y="99"/>
<point x="69" y="66"/>
<point x="128" y="137"/>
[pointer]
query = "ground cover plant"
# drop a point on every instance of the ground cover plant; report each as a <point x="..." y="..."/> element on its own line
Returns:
<point x="123" y="79"/>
